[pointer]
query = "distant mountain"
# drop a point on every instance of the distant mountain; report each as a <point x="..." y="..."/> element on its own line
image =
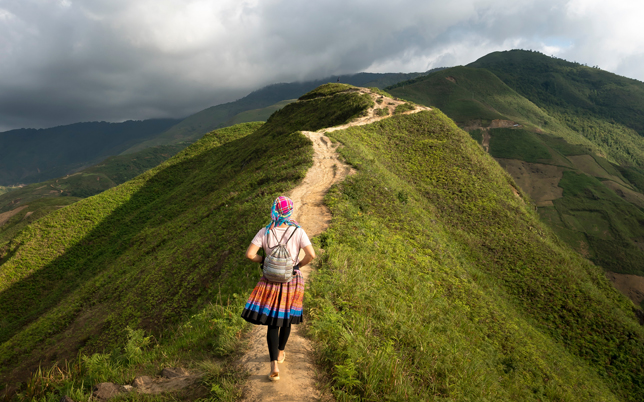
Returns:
<point x="550" y="125"/>
<point x="34" y="155"/>
<point x="556" y="84"/>
<point x="264" y="102"/>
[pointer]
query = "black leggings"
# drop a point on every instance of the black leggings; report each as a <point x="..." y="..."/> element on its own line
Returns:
<point x="277" y="342"/>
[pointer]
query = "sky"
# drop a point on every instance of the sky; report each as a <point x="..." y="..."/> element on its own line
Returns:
<point x="67" y="61"/>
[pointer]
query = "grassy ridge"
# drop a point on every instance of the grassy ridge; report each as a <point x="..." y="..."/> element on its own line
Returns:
<point x="438" y="282"/>
<point x="149" y="252"/>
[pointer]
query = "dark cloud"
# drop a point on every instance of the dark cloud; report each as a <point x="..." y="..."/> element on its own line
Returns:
<point x="64" y="61"/>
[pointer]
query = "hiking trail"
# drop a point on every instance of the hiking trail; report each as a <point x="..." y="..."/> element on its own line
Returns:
<point x="298" y="372"/>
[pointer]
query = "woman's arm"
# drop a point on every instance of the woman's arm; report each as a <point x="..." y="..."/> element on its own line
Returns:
<point x="251" y="253"/>
<point x="309" y="255"/>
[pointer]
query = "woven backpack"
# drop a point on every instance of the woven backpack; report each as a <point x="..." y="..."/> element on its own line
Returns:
<point x="278" y="266"/>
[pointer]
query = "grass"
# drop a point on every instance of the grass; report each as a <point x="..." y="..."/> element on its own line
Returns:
<point x="590" y="206"/>
<point x="326" y="90"/>
<point x="477" y="135"/>
<point x="517" y="144"/>
<point x="79" y="271"/>
<point x="437" y="283"/>
<point x="404" y="107"/>
<point x="382" y="112"/>
<point x="4" y="190"/>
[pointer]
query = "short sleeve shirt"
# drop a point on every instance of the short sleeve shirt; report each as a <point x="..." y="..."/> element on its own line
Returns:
<point x="297" y="242"/>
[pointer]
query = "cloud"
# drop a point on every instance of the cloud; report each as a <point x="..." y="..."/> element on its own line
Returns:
<point x="64" y="61"/>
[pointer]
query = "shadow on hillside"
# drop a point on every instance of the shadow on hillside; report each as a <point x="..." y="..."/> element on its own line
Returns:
<point x="132" y="226"/>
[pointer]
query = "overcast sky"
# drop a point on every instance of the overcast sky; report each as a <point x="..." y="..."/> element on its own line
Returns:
<point x="65" y="61"/>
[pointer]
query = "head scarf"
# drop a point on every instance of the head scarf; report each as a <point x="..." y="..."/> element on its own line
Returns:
<point x="281" y="213"/>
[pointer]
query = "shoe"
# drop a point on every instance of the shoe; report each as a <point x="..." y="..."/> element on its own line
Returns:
<point x="274" y="376"/>
<point x="283" y="358"/>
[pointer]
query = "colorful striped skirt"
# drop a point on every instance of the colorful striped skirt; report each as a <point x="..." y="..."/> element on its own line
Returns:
<point x="277" y="304"/>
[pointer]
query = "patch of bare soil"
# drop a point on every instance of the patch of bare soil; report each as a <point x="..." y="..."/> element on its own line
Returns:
<point x="540" y="181"/>
<point x="451" y="79"/>
<point x="298" y="372"/>
<point x="632" y="286"/>
<point x="498" y="123"/>
<point x="5" y="216"/>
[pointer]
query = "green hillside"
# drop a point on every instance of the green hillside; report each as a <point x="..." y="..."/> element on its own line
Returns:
<point x="30" y="155"/>
<point x="149" y="253"/>
<point x="589" y="201"/>
<point x="436" y="281"/>
<point x="31" y="202"/>
<point x="476" y="97"/>
<point x="604" y="107"/>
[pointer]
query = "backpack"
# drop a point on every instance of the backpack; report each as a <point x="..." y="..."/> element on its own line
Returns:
<point x="278" y="266"/>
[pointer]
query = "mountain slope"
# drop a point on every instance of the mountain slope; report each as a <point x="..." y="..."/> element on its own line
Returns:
<point x="585" y="198"/>
<point x="29" y="155"/>
<point x="151" y="251"/>
<point x="437" y="281"/>
<point x="600" y="105"/>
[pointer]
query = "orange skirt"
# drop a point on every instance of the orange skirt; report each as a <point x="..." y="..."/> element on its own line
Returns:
<point x="278" y="304"/>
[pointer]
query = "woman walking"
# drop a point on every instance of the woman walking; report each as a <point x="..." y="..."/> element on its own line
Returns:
<point x="277" y="304"/>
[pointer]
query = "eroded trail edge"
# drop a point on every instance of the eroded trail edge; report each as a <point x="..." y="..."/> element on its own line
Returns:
<point x="298" y="372"/>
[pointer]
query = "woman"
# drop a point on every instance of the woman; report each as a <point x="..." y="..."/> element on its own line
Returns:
<point x="278" y="305"/>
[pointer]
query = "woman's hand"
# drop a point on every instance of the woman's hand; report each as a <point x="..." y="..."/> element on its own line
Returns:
<point x="251" y="253"/>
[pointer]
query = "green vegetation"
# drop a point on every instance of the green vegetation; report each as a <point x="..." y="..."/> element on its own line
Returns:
<point x="326" y="90"/>
<point x="477" y="135"/>
<point x="517" y="144"/>
<point x="259" y="114"/>
<point x="437" y="282"/>
<point x="404" y="107"/>
<point x="34" y="201"/>
<point x="148" y="254"/>
<point x="382" y="112"/>
<point x="4" y="190"/>
<point x="605" y="108"/>
<point x="607" y="223"/>
<point x="30" y="156"/>
<point x="561" y="127"/>
<point x="319" y="112"/>
<point x="570" y="87"/>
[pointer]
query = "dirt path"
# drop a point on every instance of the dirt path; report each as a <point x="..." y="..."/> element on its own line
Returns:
<point x="298" y="372"/>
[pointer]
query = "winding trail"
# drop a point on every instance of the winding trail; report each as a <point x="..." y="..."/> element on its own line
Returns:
<point x="298" y="372"/>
